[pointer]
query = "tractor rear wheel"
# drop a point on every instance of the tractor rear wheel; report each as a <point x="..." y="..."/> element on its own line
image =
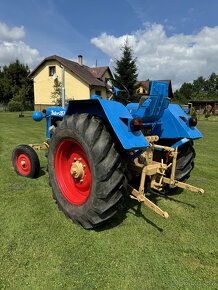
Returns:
<point x="184" y="164"/>
<point x="85" y="170"/>
<point x="25" y="161"/>
<point x="185" y="161"/>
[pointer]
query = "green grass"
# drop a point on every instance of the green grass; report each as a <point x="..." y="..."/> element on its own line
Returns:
<point x="41" y="249"/>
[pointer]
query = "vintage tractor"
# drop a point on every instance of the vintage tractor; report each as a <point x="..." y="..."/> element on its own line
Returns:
<point x="100" y="151"/>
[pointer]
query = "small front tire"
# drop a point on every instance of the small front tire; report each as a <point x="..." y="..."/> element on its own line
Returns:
<point x="25" y="161"/>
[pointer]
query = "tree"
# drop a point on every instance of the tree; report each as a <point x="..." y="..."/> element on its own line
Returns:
<point x="211" y="85"/>
<point x="184" y="93"/>
<point x="126" y="69"/>
<point x="19" y="102"/>
<point x="14" y="78"/>
<point x="199" y="89"/>
<point x="56" y="93"/>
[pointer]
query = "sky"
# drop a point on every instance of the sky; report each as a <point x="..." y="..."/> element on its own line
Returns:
<point x="171" y="39"/>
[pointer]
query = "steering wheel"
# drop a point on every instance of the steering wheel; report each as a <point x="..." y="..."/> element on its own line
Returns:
<point x="112" y="87"/>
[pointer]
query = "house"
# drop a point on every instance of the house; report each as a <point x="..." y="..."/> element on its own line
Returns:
<point x="143" y="88"/>
<point x="80" y="81"/>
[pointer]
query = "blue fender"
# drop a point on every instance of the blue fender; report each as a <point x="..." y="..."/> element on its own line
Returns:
<point x="116" y="115"/>
<point x="174" y="123"/>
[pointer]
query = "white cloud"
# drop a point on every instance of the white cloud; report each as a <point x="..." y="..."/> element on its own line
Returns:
<point x="13" y="47"/>
<point x="14" y="33"/>
<point x="181" y="58"/>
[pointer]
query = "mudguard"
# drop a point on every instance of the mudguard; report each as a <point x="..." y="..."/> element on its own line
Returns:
<point x="174" y="123"/>
<point x="116" y="114"/>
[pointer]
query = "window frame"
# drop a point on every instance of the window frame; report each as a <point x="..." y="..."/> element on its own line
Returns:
<point x="51" y="70"/>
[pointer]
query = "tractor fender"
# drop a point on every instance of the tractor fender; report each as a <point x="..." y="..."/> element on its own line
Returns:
<point x="174" y="123"/>
<point x="116" y="115"/>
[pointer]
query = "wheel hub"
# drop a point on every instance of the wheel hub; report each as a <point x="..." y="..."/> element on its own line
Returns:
<point x="77" y="170"/>
<point x="23" y="163"/>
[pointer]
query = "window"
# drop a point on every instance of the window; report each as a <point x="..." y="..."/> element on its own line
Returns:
<point x="52" y="70"/>
<point x="98" y="93"/>
<point x="138" y="91"/>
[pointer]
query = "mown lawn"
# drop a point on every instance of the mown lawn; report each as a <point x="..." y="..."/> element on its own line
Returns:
<point x="41" y="249"/>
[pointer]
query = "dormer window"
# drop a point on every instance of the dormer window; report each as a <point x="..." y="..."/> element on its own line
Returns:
<point x="51" y="70"/>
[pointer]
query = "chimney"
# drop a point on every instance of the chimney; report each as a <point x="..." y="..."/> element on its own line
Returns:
<point x="80" y="59"/>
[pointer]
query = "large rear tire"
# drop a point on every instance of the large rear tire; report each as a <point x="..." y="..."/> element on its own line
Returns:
<point x="85" y="171"/>
<point x="184" y="164"/>
<point x="185" y="161"/>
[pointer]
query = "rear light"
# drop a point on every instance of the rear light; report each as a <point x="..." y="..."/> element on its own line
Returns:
<point x="136" y="124"/>
<point x="192" y="121"/>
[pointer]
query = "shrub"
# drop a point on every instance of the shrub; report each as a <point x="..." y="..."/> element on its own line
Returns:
<point x="15" y="106"/>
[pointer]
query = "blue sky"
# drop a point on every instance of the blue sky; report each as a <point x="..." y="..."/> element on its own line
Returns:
<point x="171" y="39"/>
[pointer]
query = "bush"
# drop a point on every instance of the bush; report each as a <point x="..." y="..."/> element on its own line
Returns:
<point x="20" y="101"/>
<point x="15" y="106"/>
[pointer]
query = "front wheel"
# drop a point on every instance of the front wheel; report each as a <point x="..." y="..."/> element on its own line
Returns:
<point x="25" y="161"/>
<point x="85" y="170"/>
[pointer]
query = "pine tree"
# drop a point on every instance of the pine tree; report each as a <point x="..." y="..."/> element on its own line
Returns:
<point x="126" y="69"/>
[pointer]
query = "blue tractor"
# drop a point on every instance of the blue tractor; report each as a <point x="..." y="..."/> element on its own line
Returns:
<point x="101" y="151"/>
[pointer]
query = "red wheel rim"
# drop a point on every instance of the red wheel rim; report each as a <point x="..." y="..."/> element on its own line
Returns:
<point x="23" y="164"/>
<point x="72" y="171"/>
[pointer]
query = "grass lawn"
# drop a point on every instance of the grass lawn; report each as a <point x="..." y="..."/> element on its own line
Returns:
<point x="41" y="249"/>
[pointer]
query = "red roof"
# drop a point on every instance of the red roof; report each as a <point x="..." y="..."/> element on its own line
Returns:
<point x="89" y="75"/>
<point x="98" y="72"/>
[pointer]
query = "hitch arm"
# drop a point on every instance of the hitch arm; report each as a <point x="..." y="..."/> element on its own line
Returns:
<point x="141" y="198"/>
<point x="182" y="185"/>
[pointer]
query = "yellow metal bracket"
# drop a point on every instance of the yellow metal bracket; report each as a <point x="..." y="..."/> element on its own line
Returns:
<point x="135" y="194"/>
<point x="155" y="171"/>
<point x="43" y="146"/>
